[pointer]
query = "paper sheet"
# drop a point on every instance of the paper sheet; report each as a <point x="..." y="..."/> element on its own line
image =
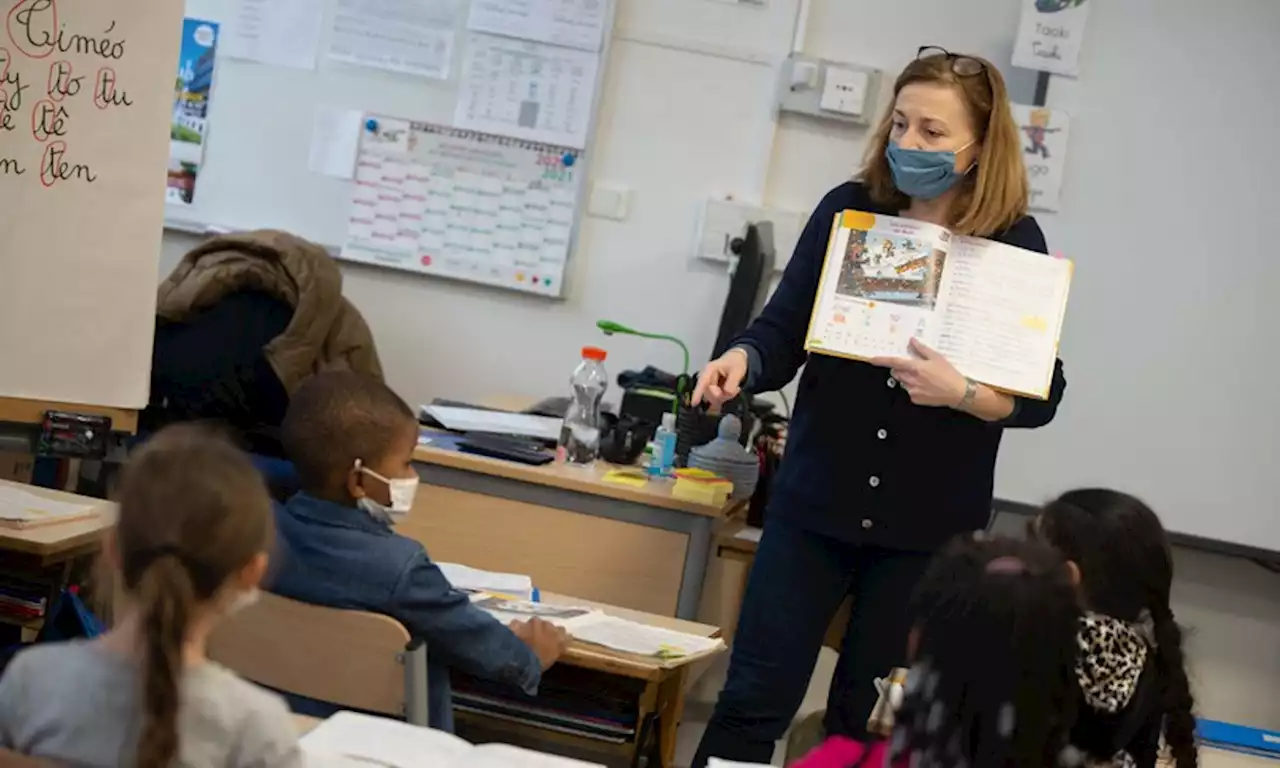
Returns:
<point x="281" y="33"/>
<point x="81" y="201"/>
<point x="18" y="504"/>
<point x="528" y="90"/>
<point x="414" y="37"/>
<point x="469" y="579"/>
<point x="349" y="739"/>
<point x="575" y="23"/>
<point x="642" y="639"/>
<point x="335" y="142"/>
<point x="506" y="610"/>
<point x="494" y="422"/>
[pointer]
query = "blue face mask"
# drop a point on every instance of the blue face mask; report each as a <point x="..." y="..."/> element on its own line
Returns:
<point x="921" y="173"/>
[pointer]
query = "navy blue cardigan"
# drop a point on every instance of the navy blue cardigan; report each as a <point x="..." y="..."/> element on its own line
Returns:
<point x="863" y="464"/>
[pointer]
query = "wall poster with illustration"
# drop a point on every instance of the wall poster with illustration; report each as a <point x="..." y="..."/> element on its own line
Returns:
<point x="1044" y="135"/>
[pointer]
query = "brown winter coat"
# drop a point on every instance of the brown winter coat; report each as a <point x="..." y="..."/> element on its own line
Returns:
<point x="326" y="333"/>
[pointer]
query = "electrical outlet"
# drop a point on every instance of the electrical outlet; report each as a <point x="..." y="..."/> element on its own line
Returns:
<point x="724" y="220"/>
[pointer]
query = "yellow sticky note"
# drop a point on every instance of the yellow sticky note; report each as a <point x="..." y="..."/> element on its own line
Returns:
<point x="1035" y="323"/>
<point x="629" y="477"/>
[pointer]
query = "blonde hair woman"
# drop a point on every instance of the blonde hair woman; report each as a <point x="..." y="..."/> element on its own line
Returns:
<point x="885" y="462"/>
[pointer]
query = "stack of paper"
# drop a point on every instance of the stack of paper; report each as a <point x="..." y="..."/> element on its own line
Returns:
<point x="474" y="580"/>
<point x="596" y="627"/>
<point x="349" y="739"/>
<point x="642" y="639"/>
<point x="23" y="509"/>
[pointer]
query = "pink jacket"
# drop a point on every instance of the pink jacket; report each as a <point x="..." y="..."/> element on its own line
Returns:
<point x="843" y="752"/>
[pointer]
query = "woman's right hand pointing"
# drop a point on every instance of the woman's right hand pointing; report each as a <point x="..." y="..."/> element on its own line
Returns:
<point x="721" y="380"/>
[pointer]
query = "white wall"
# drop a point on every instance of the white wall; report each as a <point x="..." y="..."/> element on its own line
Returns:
<point x="686" y="114"/>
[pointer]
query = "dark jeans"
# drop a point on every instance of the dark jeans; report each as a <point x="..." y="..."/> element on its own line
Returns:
<point x="797" y="582"/>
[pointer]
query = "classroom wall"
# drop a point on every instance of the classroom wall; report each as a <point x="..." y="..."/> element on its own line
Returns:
<point x="686" y="114"/>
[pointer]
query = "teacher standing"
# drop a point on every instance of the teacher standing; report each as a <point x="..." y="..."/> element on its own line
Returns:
<point x="885" y="461"/>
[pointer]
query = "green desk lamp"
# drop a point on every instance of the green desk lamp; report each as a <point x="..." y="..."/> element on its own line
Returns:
<point x="610" y="328"/>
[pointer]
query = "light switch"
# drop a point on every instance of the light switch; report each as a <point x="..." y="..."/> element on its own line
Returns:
<point x="844" y="91"/>
<point x="609" y="201"/>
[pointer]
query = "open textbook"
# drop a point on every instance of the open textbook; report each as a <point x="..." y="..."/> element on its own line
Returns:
<point x="993" y="310"/>
<point x="351" y="740"/>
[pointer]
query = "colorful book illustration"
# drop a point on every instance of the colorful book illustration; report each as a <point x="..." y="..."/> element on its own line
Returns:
<point x="993" y="310"/>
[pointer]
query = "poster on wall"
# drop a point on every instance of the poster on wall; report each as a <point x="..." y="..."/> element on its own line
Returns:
<point x="191" y="92"/>
<point x="1050" y="35"/>
<point x="1044" y="151"/>
<point x="86" y="94"/>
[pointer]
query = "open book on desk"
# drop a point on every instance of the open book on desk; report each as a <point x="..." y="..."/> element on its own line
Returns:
<point x="350" y="740"/>
<point x="993" y="310"/>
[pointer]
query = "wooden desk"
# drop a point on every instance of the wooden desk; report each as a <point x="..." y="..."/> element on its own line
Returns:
<point x="664" y="689"/>
<point x="22" y="411"/>
<point x="567" y="528"/>
<point x="58" y="543"/>
<point x="47" y="555"/>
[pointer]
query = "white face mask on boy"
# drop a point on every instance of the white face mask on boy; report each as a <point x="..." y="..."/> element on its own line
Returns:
<point x="402" y="490"/>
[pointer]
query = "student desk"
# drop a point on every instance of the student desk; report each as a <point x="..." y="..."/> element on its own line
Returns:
<point x="47" y="554"/>
<point x="572" y="532"/>
<point x="663" y="689"/>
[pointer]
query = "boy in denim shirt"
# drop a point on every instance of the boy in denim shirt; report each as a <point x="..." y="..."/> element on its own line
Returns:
<point x="351" y="439"/>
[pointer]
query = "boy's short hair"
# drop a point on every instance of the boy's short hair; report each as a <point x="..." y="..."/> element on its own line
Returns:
<point x="336" y="418"/>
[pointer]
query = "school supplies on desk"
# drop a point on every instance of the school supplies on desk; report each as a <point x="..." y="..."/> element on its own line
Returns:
<point x="353" y="740"/>
<point x="994" y="311"/>
<point x="23" y="509"/>
<point x="701" y="487"/>
<point x="632" y="478"/>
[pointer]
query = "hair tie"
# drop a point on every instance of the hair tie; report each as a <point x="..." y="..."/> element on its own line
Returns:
<point x="146" y="557"/>
<point x="1006" y="565"/>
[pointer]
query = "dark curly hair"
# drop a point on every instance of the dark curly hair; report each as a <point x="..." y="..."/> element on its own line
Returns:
<point x="1126" y="570"/>
<point x="993" y="678"/>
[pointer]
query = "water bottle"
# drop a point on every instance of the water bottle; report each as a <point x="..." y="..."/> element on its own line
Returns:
<point x="580" y="435"/>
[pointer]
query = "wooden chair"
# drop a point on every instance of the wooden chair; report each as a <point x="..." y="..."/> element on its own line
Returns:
<point x="356" y="660"/>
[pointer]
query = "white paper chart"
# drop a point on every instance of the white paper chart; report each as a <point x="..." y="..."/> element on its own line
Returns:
<point x="575" y="23"/>
<point x="463" y="204"/>
<point x="526" y="89"/>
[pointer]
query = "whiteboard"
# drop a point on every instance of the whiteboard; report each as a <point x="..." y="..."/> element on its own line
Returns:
<point x="255" y="171"/>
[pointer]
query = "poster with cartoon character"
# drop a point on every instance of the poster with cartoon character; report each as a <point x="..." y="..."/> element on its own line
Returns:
<point x="1044" y="151"/>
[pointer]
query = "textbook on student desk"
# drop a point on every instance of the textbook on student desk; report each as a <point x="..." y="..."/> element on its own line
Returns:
<point x="993" y="310"/>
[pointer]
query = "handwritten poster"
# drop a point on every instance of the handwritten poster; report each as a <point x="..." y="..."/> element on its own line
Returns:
<point x="1044" y="151"/>
<point x="192" y="89"/>
<point x="86" y="95"/>
<point x="1050" y="36"/>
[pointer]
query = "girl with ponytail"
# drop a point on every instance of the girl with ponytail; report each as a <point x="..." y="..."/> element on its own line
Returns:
<point x="1133" y="684"/>
<point x="190" y="546"/>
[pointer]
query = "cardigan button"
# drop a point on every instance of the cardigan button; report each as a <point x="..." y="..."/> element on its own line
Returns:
<point x="866" y="525"/>
<point x="874" y="481"/>
<point x="892" y="382"/>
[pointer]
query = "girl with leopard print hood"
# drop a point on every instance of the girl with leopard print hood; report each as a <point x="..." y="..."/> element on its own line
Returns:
<point x="1133" y="685"/>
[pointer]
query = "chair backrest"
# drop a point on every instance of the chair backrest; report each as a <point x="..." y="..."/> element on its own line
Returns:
<point x="356" y="660"/>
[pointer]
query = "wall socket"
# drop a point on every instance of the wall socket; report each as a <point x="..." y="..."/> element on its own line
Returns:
<point x="724" y="220"/>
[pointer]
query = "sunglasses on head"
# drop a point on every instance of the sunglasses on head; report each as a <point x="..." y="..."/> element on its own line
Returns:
<point x="961" y="65"/>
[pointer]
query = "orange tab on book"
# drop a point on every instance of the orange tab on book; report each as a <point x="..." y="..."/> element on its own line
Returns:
<point x="857" y="220"/>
